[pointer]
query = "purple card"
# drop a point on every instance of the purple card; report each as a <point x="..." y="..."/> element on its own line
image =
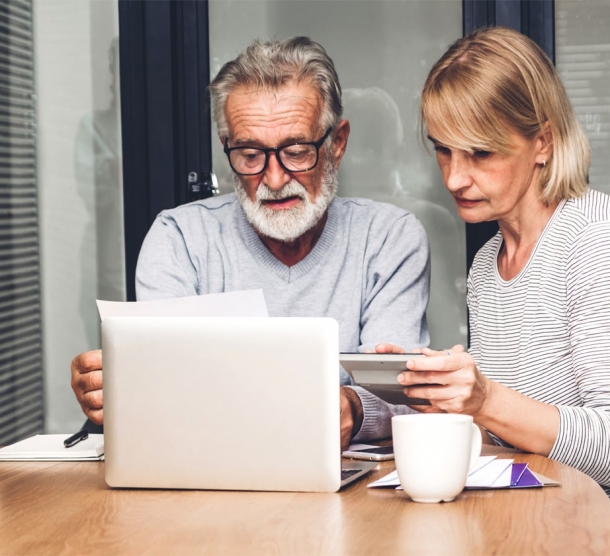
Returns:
<point x="516" y="473"/>
<point x="527" y="478"/>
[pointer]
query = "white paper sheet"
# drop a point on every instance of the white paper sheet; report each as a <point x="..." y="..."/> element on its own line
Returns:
<point x="496" y="474"/>
<point x="248" y="303"/>
<point x="480" y="462"/>
<point x="50" y="447"/>
<point x="503" y="481"/>
<point x="486" y="472"/>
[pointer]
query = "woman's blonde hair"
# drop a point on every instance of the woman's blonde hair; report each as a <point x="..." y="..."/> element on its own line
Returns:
<point x="495" y="81"/>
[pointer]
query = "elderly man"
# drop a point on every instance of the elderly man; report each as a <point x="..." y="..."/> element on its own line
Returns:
<point x="278" y="110"/>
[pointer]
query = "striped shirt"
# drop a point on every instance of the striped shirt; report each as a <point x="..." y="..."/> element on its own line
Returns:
<point x="546" y="332"/>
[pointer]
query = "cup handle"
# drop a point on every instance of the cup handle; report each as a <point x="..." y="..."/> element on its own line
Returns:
<point x="476" y="445"/>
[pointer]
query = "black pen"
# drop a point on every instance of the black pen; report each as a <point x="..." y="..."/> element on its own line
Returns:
<point x="76" y="438"/>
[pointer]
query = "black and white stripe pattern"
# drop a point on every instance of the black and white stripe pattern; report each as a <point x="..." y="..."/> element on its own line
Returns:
<point x="546" y="332"/>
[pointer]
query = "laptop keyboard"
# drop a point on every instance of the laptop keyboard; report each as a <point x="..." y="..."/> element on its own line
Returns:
<point x="346" y="473"/>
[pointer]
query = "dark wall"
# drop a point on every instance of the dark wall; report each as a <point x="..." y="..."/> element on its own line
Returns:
<point x="166" y="126"/>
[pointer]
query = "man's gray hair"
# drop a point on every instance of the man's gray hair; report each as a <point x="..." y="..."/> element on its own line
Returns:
<point x="271" y="65"/>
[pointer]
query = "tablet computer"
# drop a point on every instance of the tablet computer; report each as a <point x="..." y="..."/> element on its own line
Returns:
<point x="378" y="372"/>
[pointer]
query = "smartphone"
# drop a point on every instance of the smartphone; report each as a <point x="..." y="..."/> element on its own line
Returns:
<point x="372" y="453"/>
<point x="378" y="373"/>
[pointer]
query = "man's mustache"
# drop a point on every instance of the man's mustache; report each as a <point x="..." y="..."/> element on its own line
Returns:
<point x="291" y="189"/>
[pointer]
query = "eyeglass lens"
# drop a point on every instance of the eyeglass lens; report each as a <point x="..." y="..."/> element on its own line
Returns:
<point x="296" y="158"/>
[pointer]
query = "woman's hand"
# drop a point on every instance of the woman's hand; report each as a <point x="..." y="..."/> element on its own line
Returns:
<point x="449" y="379"/>
<point x="453" y="384"/>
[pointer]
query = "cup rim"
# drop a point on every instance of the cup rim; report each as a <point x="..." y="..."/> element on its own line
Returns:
<point x="448" y="417"/>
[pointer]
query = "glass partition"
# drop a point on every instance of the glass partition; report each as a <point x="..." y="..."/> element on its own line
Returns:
<point x="80" y="186"/>
<point x="382" y="51"/>
<point x="582" y="39"/>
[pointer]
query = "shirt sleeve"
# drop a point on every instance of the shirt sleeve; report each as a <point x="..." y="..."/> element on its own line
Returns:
<point x="472" y="303"/>
<point x="583" y="440"/>
<point x="394" y="310"/>
<point x="473" y="348"/>
<point x="164" y="267"/>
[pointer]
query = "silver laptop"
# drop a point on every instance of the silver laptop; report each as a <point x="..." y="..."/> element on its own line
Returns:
<point x="223" y="403"/>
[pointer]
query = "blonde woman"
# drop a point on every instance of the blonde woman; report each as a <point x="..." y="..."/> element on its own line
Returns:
<point x="509" y="147"/>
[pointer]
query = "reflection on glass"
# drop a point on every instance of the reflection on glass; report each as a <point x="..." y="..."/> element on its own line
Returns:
<point x="374" y="167"/>
<point x="98" y="174"/>
<point x="582" y="43"/>
<point x="383" y="50"/>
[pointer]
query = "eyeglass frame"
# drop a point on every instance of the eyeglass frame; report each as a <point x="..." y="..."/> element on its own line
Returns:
<point x="317" y="144"/>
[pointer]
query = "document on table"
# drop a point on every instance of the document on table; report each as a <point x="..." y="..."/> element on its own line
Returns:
<point x="494" y="474"/>
<point x="247" y="303"/>
<point x="486" y="473"/>
<point x="50" y="447"/>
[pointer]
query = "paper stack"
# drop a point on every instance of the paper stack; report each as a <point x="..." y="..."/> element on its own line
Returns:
<point x="487" y="472"/>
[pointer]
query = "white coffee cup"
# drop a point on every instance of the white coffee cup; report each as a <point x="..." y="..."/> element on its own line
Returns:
<point x="433" y="453"/>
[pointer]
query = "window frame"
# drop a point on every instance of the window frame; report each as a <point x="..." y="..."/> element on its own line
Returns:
<point x="166" y="123"/>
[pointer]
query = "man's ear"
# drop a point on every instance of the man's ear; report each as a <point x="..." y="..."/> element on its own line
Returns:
<point x="544" y="144"/>
<point x="339" y="142"/>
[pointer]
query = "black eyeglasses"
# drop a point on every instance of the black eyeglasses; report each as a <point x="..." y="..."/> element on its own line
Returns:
<point x="298" y="157"/>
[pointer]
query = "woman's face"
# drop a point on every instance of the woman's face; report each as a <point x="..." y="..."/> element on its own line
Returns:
<point x="492" y="186"/>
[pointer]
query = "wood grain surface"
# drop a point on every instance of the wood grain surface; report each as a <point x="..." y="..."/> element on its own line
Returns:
<point x="66" y="508"/>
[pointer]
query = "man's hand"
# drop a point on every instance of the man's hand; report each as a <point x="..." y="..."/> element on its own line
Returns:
<point x="352" y="415"/>
<point x="391" y="348"/>
<point x="86" y="371"/>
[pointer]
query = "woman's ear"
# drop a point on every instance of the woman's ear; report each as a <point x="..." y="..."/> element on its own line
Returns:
<point x="544" y="144"/>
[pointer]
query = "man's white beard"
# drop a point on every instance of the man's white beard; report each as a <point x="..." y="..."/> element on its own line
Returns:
<point x="288" y="224"/>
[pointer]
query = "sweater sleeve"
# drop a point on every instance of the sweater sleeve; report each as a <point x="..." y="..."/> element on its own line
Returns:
<point x="583" y="440"/>
<point x="164" y="267"/>
<point x="377" y="422"/>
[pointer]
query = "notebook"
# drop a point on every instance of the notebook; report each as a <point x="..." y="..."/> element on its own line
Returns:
<point x="50" y="447"/>
<point x="223" y="403"/>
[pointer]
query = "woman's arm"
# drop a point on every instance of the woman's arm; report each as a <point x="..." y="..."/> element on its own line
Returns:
<point x="584" y="435"/>
<point x="460" y="387"/>
<point x="575" y="433"/>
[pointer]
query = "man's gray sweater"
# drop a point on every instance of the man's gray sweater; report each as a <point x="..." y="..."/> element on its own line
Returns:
<point x="369" y="270"/>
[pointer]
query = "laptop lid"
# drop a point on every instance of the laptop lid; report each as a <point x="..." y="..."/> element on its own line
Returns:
<point x="222" y="403"/>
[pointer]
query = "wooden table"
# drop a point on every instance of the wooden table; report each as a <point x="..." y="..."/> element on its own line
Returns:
<point x="66" y="508"/>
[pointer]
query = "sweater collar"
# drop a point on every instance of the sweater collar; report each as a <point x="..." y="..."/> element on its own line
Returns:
<point x="265" y="257"/>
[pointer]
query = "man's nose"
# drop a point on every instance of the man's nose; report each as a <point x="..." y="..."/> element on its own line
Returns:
<point x="458" y="174"/>
<point x="275" y="177"/>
